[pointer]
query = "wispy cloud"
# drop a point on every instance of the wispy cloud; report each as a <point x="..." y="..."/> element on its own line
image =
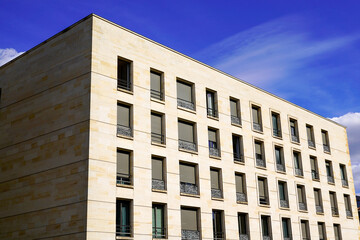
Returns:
<point x="352" y="122"/>
<point x="8" y="54"/>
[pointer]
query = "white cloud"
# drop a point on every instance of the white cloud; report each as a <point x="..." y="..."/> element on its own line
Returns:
<point x="8" y="54"/>
<point x="352" y="122"/>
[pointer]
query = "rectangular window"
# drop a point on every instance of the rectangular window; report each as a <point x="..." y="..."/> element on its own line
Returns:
<point x="158" y="221"/>
<point x="318" y="201"/>
<point x="329" y="172"/>
<point x="297" y="164"/>
<point x="325" y="139"/>
<point x="322" y="231"/>
<point x="188" y="180"/>
<point x="310" y="136"/>
<point x="266" y="227"/>
<point x="238" y="150"/>
<point x="334" y="205"/>
<point x="124" y="173"/>
<point x="123" y="226"/>
<point x="189" y="223"/>
<point x="158" y="173"/>
<point x="157" y="128"/>
<point x="240" y="185"/>
<point x="259" y="154"/>
<point x="286" y="227"/>
<point x="256" y="117"/>
<point x="216" y="189"/>
<point x="294" y="130"/>
<point x="156" y="85"/>
<point x="235" y="111"/>
<point x="124" y="74"/>
<point x="283" y="194"/>
<point x="211" y="104"/>
<point x="214" y="146"/>
<point x="263" y="191"/>
<point x="185" y="96"/>
<point x="337" y="232"/>
<point x="314" y="168"/>
<point x="218" y="228"/>
<point x="275" y="117"/>
<point x="243" y="219"/>
<point x="186" y="132"/>
<point x="279" y="156"/>
<point x="301" y="197"/>
<point x="343" y="174"/>
<point x="347" y="202"/>
<point x="124" y="119"/>
<point x="305" y="233"/>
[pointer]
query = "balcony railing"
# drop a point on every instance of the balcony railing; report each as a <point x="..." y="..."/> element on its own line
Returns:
<point x="319" y="209"/>
<point x="266" y="237"/>
<point x="294" y="138"/>
<point x="315" y="175"/>
<point x="124" y="131"/>
<point x="302" y="206"/>
<point x="235" y="120"/>
<point x="216" y="193"/>
<point x="299" y="172"/>
<point x="241" y="197"/>
<point x="344" y="182"/>
<point x="123" y="230"/>
<point x="124" y="84"/>
<point x="212" y="112"/>
<point x="186" y="145"/>
<point x="219" y="235"/>
<point x="280" y="167"/>
<point x="326" y="148"/>
<point x="238" y="157"/>
<point x="257" y="126"/>
<point x="264" y="200"/>
<point x="214" y="152"/>
<point x="288" y="238"/>
<point x="349" y="213"/>
<point x="260" y="162"/>
<point x="123" y="179"/>
<point x="243" y="237"/>
<point x="189" y="188"/>
<point x="158" y="184"/>
<point x="284" y="203"/>
<point x="190" y="234"/>
<point x="185" y="104"/>
<point x="330" y="179"/>
<point x="334" y="211"/>
<point x="277" y="133"/>
<point x="156" y="94"/>
<point x="157" y="138"/>
<point x="311" y="144"/>
<point x="159" y="232"/>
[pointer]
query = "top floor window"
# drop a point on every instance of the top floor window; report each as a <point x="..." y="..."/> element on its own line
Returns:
<point x="124" y="74"/>
<point x="256" y="117"/>
<point x="310" y="136"/>
<point x="211" y="104"/>
<point x="235" y="111"/>
<point x="294" y="130"/>
<point x="325" y="139"/>
<point x="329" y="172"/>
<point x="344" y="180"/>
<point x="185" y="95"/>
<point x="156" y="84"/>
<point x="275" y="117"/>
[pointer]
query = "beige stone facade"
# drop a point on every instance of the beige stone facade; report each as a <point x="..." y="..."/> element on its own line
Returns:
<point x="59" y="141"/>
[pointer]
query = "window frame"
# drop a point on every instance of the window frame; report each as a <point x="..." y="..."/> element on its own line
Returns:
<point x="311" y="138"/>
<point x="164" y="220"/>
<point x="196" y="177"/>
<point x="129" y="80"/>
<point x="162" y="86"/>
<point x="164" y="175"/>
<point x="235" y="119"/>
<point x="259" y="123"/>
<point x="162" y="127"/>
<point x="130" y="217"/>
<point x="276" y="114"/>
<point x="194" y="130"/>
<point x="191" y="103"/>
<point x="263" y="157"/>
<point x="124" y="131"/>
<point x="300" y="167"/>
<point x="294" y="138"/>
<point x="131" y="170"/>
<point x="212" y="112"/>
<point x="266" y="199"/>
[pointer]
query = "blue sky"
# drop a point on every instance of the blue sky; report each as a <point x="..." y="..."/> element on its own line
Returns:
<point x="307" y="52"/>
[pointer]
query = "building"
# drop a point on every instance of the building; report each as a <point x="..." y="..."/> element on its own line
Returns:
<point x="358" y="204"/>
<point x="107" y="134"/>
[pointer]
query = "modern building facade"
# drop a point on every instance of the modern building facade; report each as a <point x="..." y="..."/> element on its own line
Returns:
<point x="106" y="134"/>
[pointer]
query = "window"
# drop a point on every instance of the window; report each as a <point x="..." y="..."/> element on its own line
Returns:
<point x="188" y="179"/>
<point x="325" y="139"/>
<point x="329" y="172"/>
<point x="235" y="111"/>
<point x="240" y="188"/>
<point x="314" y="168"/>
<point x="294" y="131"/>
<point x="256" y="117"/>
<point x="322" y="231"/>
<point x="259" y="154"/>
<point x="301" y="197"/>
<point x="310" y="136"/>
<point x="305" y="233"/>
<point x="214" y="146"/>
<point x="263" y="191"/>
<point x="189" y="223"/>
<point x="187" y="136"/>
<point x="347" y="202"/>
<point x="337" y="232"/>
<point x="318" y="201"/>
<point x="124" y="173"/>
<point x="158" y="173"/>
<point x="283" y="195"/>
<point x="158" y="221"/>
<point x="343" y="174"/>
<point x="218" y="228"/>
<point x="185" y="96"/>
<point x="279" y="156"/>
<point x="157" y="128"/>
<point x="297" y="164"/>
<point x="124" y="120"/>
<point x="238" y="150"/>
<point x="243" y="219"/>
<point x="275" y="117"/>
<point x="286" y="227"/>
<point x="211" y="104"/>
<point x="333" y="203"/>
<point x="123" y="226"/>
<point x="124" y="74"/>
<point x="266" y="227"/>
<point x="156" y="85"/>
<point x="215" y="178"/>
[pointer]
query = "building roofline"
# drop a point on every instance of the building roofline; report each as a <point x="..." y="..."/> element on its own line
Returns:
<point x="170" y="49"/>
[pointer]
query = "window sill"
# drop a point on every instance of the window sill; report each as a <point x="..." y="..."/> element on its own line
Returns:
<point x="236" y="125"/>
<point x="349" y="217"/>
<point x="188" y="151"/>
<point x="159" y="191"/>
<point x="240" y="163"/>
<point x="331" y="183"/>
<point x="118" y="237"/>
<point x="319" y="213"/>
<point x="335" y="215"/>
<point x="303" y="211"/>
<point x="263" y="205"/>
<point x="158" y="101"/>
<point x="217" y="199"/>
<point x="158" y="144"/>
<point x="125" y="137"/>
<point x="125" y="186"/>
<point x="239" y="202"/>
<point x="345" y="186"/>
<point x="263" y="168"/>
<point x="160" y="238"/>
<point x="284" y="208"/>
<point x="316" y="180"/>
<point x="299" y="176"/>
<point x="281" y="172"/>
<point x="187" y="110"/>
<point x="125" y="91"/>
<point x="297" y="143"/>
<point x="313" y="148"/>
<point x="277" y="137"/>
<point x="327" y="152"/>
<point x="257" y="131"/>
<point x="215" y="157"/>
<point x="213" y="118"/>
<point x="189" y="195"/>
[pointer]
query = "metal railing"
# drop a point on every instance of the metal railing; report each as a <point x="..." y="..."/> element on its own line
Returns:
<point x="319" y="209"/>
<point x="158" y="184"/>
<point x="294" y="138"/>
<point x="156" y="94"/>
<point x="235" y="120"/>
<point x="344" y="182"/>
<point x="159" y="232"/>
<point x="299" y="172"/>
<point x="186" y="145"/>
<point x="257" y="126"/>
<point x="189" y="188"/>
<point x="216" y="193"/>
<point x="185" y="104"/>
<point x="157" y="138"/>
<point x="214" y="152"/>
<point x="124" y="130"/>
<point x="330" y="179"/>
<point x="190" y="234"/>
<point x="260" y="162"/>
<point x="264" y="200"/>
<point x="280" y="167"/>
<point x="349" y="213"/>
<point x="334" y="211"/>
<point x="277" y="133"/>
<point x="311" y="143"/>
<point x="123" y="230"/>
<point x="326" y="148"/>
<point x="315" y="175"/>
<point x="243" y="237"/>
<point x="212" y="112"/>
<point x="284" y="203"/>
<point x="124" y="84"/>
<point x="238" y="157"/>
<point x="266" y="237"/>
<point x="302" y="206"/>
<point x="241" y="197"/>
<point x="288" y="237"/>
<point x="123" y="179"/>
<point x="219" y="235"/>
